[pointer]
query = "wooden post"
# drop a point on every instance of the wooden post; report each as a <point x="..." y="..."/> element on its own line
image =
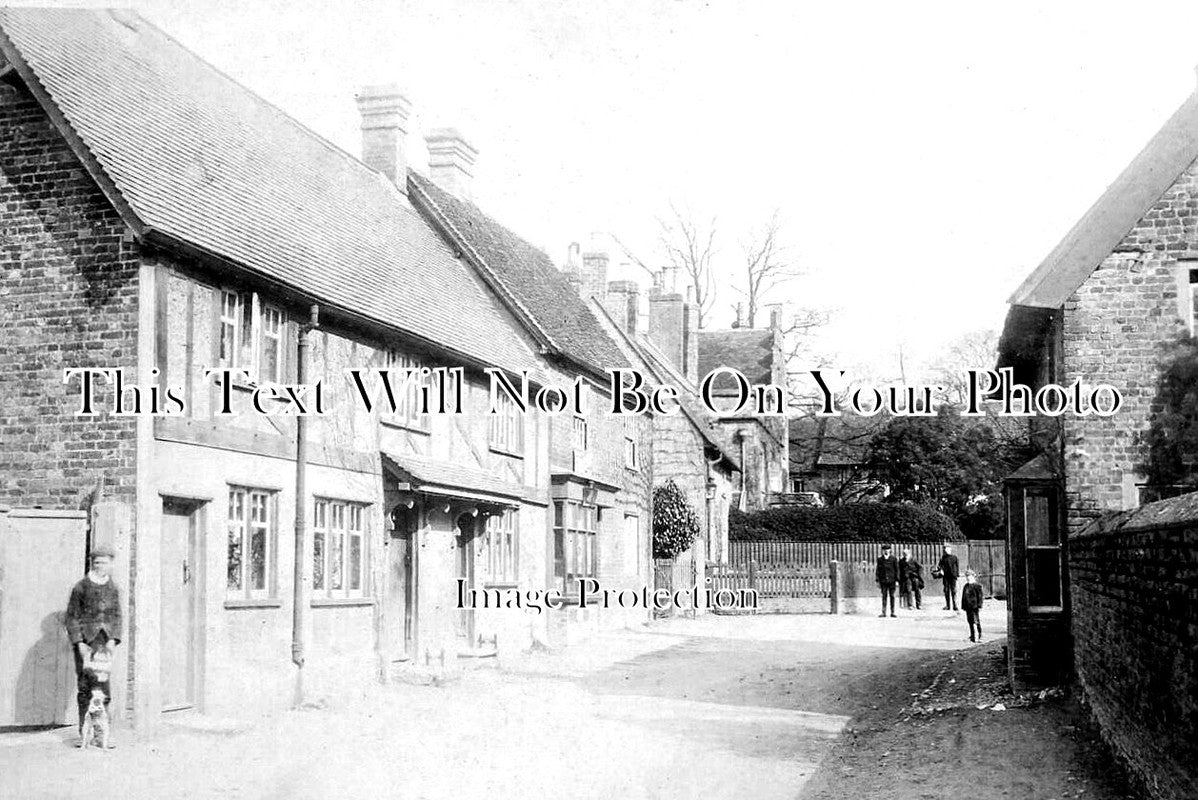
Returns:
<point x="834" y="574"/>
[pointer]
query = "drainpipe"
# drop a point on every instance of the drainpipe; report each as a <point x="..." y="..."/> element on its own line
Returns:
<point x="301" y="515"/>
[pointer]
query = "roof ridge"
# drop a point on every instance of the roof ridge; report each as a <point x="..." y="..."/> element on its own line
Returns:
<point x="462" y="242"/>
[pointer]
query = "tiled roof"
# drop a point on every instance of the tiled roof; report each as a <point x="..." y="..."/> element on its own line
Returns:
<point x="1115" y="213"/>
<point x="526" y="274"/>
<point x="748" y="350"/>
<point x="201" y="160"/>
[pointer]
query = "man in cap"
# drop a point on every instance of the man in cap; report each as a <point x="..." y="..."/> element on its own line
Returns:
<point x="887" y="575"/>
<point x="949" y="569"/>
<point x="94" y="624"/>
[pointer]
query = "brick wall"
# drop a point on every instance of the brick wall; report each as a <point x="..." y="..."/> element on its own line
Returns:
<point x="1117" y="327"/>
<point x="68" y="298"/>
<point x="1135" y="629"/>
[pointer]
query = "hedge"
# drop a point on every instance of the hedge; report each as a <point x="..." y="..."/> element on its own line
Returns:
<point x="858" y="522"/>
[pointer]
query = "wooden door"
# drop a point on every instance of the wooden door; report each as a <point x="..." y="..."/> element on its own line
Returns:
<point x="401" y="583"/>
<point x="465" y="564"/>
<point x="42" y="555"/>
<point x="177" y="608"/>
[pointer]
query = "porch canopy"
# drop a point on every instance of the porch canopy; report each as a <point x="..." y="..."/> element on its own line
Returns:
<point x="456" y="484"/>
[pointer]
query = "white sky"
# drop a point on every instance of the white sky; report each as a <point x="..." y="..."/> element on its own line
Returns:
<point x="924" y="156"/>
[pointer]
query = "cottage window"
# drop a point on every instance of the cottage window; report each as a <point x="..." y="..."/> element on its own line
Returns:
<point x="506" y="432"/>
<point x="630" y="454"/>
<point x="632" y="544"/>
<point x="574" y="525"/>
<point x="339" y="552"/>
<point x="502" y="547"/>
<point x="1192" y="293"/>
<point x="580" y="433"/>
<point x="1042" y="537"/>
<point x="407" y="387"/>
<point x="251" y="336"/>
<point x="250" y="568"/>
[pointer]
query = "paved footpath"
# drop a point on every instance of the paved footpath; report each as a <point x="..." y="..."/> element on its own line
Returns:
<point x="716" y="707"/>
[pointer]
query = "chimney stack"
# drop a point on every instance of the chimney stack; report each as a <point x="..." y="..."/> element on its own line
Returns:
<point x="594" y="274"/>
<point x="451" y="161"/>
<point x="385" y="113"/>
<point x="623" y="303"/>
<point x="667" y="326"/>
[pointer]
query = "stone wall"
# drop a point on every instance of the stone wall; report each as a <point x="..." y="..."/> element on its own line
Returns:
<point x="1135" y="630"/>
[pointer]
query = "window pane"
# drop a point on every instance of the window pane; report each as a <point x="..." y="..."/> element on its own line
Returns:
<point x="258" y="558"/>
<point x="559" y="553"/>
<point x="355" y="562"/>
<point x="270" y="358"/>
<point x="337" y="545"/>
<point x="318" y="556"/>
<point x="245" y="344"/>
<point x="234" y="569"/>
<point x="1044" y="577"/>
<point x="1038" y="520"/>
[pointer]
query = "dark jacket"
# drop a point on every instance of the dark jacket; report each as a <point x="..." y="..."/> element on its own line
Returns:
<point x="912" y="572"/>
<point x="971" y="597"/>
<point x="888" y="570"/>
<point x="94" y="607"/>
<point x="950" y="567"/>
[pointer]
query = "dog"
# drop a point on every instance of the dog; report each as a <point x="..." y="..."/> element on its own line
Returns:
<point x="95" y="724"/>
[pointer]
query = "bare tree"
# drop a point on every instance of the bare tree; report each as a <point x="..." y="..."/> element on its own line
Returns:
<point x="767" y="266"/>
<point x="689" y="246"/>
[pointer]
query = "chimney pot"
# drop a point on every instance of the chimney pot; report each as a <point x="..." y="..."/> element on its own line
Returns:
<point x="385" y="112"/>
<point x="451" y="161"/>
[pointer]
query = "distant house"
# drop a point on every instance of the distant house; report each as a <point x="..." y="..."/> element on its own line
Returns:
<point x="761" y="440"/>
<point x="828" y="457"/>
<point x="665" y="352"/>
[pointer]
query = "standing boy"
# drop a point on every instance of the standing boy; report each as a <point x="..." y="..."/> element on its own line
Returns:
<point x="971" y="602"/>
<point x="912" y="571"/>
<point x="887" y="575"/>
<point x="93" y="623"/>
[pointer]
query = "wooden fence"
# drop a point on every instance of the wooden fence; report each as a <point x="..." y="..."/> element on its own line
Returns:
<point x="772" y="580"/>
<point x="800" y="569"/>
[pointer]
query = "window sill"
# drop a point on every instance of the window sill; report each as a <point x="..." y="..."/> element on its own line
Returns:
<point x="501" y="585"/>
<point x="333" y="602"/>
<point x="265" y="602"/>
<point x="1045" y="609"/>
<point x="503" y="451"/>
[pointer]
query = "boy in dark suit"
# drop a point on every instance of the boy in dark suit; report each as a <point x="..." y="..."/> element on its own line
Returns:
<point x="887" y="575"/>
<point x="971" y="603"/>
<point x="94" y="623"/>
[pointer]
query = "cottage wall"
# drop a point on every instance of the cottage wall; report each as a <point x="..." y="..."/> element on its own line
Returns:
<point x="1118" y="326"/>
<point x="68" y="298"/>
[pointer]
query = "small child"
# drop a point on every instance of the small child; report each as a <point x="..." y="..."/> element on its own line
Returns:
<point x="971" y="603"/>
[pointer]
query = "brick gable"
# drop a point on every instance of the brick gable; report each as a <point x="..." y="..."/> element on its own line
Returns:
<point x="68" y="299"/>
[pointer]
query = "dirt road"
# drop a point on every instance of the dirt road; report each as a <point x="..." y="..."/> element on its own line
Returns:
<point x="765" y="707"/>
